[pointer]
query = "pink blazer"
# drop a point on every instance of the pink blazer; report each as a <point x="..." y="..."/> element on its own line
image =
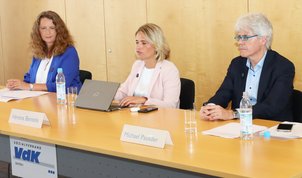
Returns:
<point x="164" y="89"/>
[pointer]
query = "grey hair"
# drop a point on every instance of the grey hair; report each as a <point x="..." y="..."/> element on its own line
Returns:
<point x="258" y="24"/>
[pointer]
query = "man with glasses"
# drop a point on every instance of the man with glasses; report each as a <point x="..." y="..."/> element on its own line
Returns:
<point x="263" y="73"/>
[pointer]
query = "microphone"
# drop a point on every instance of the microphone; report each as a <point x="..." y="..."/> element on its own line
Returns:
<point x="137" y="75"/>
<point x="242" y="75"/>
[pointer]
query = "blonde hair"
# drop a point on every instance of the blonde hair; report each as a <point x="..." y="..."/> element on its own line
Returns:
<point x="62" y="41"/>
<point x="156" y="37"/>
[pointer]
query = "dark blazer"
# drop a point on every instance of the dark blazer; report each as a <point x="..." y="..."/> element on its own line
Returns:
<point x="68" y="61"/>
<point x="274" y="98"/>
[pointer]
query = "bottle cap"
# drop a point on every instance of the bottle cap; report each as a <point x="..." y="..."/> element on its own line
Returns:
<point x="245" y="94"/>
<point x="59" y="70"/>
<point x="266" y="134"/>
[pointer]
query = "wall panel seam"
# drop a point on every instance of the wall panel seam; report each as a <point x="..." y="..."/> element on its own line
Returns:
<point x="147" y="2"/>
<point x="105" y="38"/>
<point x="2" y="56"/>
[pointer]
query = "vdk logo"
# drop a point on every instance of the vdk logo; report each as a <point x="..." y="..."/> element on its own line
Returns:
<point x="27" y="155"/>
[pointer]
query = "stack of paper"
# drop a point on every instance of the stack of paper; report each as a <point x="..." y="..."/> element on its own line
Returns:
<point x="7" y="95"/>
<point x="231" y="130"/>
<point x="296" y="131"/>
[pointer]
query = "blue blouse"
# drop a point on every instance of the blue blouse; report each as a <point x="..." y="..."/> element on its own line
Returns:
<point x="68" y="61"/>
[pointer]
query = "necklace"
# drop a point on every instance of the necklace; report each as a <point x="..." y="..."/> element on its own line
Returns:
<point x="48" y="60"/>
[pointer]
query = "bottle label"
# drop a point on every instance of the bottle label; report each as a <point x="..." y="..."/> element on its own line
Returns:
<point x="246" y="122"/>
<point x="61" y="94"/>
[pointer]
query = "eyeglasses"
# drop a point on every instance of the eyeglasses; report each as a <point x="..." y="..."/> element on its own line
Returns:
<point x="243" y="37"/>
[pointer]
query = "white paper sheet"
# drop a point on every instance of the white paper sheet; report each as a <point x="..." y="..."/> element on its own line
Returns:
<point x="7" y="95"/>
<point x="295" y="133"/>
<point x="230" y="130"/>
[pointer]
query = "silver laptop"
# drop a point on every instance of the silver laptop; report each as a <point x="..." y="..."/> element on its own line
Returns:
<point x="97" y="95"/>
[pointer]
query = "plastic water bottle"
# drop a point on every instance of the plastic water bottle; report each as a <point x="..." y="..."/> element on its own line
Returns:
<point x="60" y="85"/>
<point x="246" y="118"/>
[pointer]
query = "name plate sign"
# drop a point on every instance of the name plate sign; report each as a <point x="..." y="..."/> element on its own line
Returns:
<point x="146" y="136"/>
<point x="28" y="118"/>
<point x="33" y="159"/>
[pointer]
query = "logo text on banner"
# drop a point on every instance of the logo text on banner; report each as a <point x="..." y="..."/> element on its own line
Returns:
<point x="33" y="159"/>
<point x="146" y="136"/>
<point x="28" y="118"/>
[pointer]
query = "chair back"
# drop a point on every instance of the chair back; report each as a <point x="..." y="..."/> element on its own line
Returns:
<point x="187" y="93"/>
<point x="297" y="106"/>
<point x="84" y="74"/>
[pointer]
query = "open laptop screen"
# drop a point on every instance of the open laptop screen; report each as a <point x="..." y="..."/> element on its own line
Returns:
<point x="97" y="95"/>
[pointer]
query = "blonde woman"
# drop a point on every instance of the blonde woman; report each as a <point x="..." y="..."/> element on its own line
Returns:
<point x="153" y="80"/>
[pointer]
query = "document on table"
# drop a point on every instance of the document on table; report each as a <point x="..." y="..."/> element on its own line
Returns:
<point x="230" y="130"/>
<point x="296" y="131"/>
<point x="7" y="95"/>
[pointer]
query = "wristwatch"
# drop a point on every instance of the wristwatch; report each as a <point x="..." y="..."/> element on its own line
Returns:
<point x="236" y="114"/>
<point x="31" y="87"/>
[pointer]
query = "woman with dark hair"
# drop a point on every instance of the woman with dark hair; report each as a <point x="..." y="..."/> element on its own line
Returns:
<point x="52" y="48"/>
